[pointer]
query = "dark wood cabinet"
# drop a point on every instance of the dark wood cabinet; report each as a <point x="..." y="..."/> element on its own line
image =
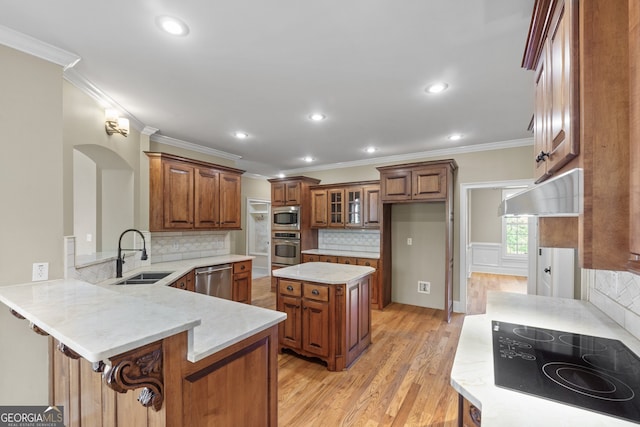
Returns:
<point x="468" y="414"/>
<point x="346" y="205"/>
<point x="424" y="182"/>
<point x="330" y="322"/>
<point x="286" y="193"/>
<point x="192" y="195"/>
<point x="552" y="51"/>
<point x="241" y="287"/>
<point x="634" y="133"/>
<point x="186" y="282"/>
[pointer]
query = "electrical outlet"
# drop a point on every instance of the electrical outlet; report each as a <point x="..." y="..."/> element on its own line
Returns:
<point x="40" y="271"/>
<point x="409" y="241"/>
<point x="175" y="246"/>
<point x="424" y="287"/>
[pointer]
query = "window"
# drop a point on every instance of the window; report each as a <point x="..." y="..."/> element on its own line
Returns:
<point x="515" y="231"/>
<point x="516" y="235"/>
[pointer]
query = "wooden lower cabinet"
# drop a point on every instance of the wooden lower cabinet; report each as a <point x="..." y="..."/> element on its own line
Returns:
<point x="186" y="282"/>
<point x="468" y="414"/>
<point x="241" y="287"/>
<point x="330" y="322"/>
<point x="235" y="387"/>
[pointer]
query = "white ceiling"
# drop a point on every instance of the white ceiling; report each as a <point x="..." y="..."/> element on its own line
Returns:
<point x="264" y="66"/>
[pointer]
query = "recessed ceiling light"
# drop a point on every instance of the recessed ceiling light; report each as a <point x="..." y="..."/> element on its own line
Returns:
<point x="281" y="175"/>
<point x="241" y="135"/>
<point x="455" y="136"/>
<point x="317" y="117"/>
<point x="436" y="87"/>
<point x="308" y="159"/>
<point x="370" y="150"/>
<point x="172" y="25"/>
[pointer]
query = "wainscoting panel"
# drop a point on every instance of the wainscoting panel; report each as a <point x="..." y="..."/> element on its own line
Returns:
<point x="488" y="258"/>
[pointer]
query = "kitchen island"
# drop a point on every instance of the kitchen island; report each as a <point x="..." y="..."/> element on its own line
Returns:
<point x="328" y="309"/>
<point x="472" y="374"/>
<point x="196" y="360"/>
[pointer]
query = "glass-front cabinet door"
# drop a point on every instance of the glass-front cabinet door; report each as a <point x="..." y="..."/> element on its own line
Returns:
<point x="354" y="207"/>
<point x="336" y="208"/>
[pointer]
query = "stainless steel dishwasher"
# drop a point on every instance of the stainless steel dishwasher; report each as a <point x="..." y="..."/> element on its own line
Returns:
<point x="214" y="280"/>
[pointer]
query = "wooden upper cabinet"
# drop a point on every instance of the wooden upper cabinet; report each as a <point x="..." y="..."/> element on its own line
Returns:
<point x="552" y="51"/>
<point x="427" y="181"/>
<point x="319" y="205"/>
<point x="347" y="205"/>
<point x="286" y="193"/>
<point x="634" y="133"/>
<point x="187" y="194"/>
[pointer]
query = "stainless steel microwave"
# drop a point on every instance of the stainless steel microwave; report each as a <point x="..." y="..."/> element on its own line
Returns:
<point x="285" y="218"/>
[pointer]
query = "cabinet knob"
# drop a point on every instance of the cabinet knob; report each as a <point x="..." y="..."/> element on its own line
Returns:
<point x="290" y="288"/>
<point x="315" y="292"/>
<point x="542" y="156"/>
<point x="243" y="267"/>
<point x="347" y="262"/>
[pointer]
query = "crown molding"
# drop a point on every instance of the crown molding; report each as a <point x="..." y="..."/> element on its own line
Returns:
<point x="148" y="130"/>
<point x="514" y="143"/>
<point x="193" y="147"/>
<point x="37" y="48"/>
<point x="79" y="81"/>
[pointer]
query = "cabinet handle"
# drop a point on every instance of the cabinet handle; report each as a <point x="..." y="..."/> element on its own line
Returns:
<point x="368" y="264"/>
<point x="347" y="262"/>
<point x="243" y="267"/>
<point x="475" y="415"/>
<point x="541" y="157"/>
<point x="290" y="288"/>
<point x="315" y="292"/>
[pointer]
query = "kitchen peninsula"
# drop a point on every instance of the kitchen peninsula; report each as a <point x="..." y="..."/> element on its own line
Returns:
<point x="472" y="374"/>
<point x="199" y="360"/>
<point x="328" y="309"/>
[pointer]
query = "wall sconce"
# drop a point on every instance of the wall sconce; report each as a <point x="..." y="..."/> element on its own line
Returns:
<point x="114" y="124"/>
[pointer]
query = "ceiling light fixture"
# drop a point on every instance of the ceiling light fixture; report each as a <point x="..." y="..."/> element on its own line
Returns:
<point x="241" y="135"/>
<point x="172" y="25"/>
<point x="308" y="159"/>
<point x="114" y="124"/>
<point x="455" y="137"/>
<point x="317" y="117"/>
<point x="370" y="150"/>
<point x="436" y="87"/>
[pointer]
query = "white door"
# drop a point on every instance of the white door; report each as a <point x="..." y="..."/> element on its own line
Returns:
<point x="544" y="272"/>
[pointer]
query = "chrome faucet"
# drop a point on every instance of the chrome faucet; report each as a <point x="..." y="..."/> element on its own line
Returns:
<point x="120" y="258"/>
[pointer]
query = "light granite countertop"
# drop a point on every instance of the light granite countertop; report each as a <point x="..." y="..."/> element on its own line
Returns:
<point x="322" y="272"/>
<point x="472" y="373"/>
<point x="335" y="252"/>
<point x="103" y="320"/>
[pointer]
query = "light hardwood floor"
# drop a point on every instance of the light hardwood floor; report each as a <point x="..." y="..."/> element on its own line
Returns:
<point x="402" y="379"/>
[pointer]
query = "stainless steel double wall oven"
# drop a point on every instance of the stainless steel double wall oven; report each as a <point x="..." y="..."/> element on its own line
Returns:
<point x="285" y="235"/>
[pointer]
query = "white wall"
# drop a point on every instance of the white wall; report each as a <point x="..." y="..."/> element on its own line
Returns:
<point x="85" y="203"/>
<point x="31" y="218"/>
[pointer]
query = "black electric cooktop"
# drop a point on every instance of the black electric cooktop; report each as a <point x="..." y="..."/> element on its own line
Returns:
<point x="597" y="374"/>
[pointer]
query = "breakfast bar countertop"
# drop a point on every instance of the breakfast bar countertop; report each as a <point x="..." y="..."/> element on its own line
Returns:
<point x="472" y="374"/>
<point x="101" y="320"/>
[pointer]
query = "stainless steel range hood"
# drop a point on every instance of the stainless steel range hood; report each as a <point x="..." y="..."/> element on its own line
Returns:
<point x="559" y="196"/>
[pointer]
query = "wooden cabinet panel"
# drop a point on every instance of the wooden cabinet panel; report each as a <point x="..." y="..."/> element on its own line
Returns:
<point x="286" y="193"/>
<point x="178" y="195"/>
<point x="371" y="206"/>
<point x="336" y="207"/>
<point x="291" y="329"/>
<point x="375" y="280"/>
<point x="347" y="260"/>
<point x="396" y="184"/>
<point x="310" y="258"/>
<point x="468" y="414"/>
<point x="315" y="327"/>
<point x="429" y="183"/>
<point x="242" y="281"/>
<point x="319" y="208"/>
<point x="192" y="195"/>
<point x="186" y="282"/>
<point x="293" y="193"/>
<point x="634" y="133"/>
<point x="206" y="185"/>
<point x="315" y="292"/>
<point x="290" y="288"/>
<point x="327" y="258"/>
<point x="230" y="201"/>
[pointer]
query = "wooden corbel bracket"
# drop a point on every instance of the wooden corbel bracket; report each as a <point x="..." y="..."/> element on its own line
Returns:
<point x="141" y="367"/>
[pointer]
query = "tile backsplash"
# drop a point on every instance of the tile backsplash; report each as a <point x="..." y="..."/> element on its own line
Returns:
<point x="161" y="247"/>
<point x="617" y="294"/>
<point x="174" y="246"/>
<point x="349" y="240"/>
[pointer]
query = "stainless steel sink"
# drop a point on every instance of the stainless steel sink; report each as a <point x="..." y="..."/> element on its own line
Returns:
<point x="145" y="278"/>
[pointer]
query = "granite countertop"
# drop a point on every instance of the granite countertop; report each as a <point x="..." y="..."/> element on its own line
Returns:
<point x="335" y="252"/>
<point x="472" y="373"/>
<point x="322" y="272"/>
<point x="103" y="320"/>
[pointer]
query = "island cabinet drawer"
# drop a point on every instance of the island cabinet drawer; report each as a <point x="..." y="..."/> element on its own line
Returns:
<point x="327" y="258"/>
<point x="241" y="267"/>
<point x="347" y="260"/>
<point x="316" y="292"/>
<point x="289" y="287"/>
<point x="310" y="258"/>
